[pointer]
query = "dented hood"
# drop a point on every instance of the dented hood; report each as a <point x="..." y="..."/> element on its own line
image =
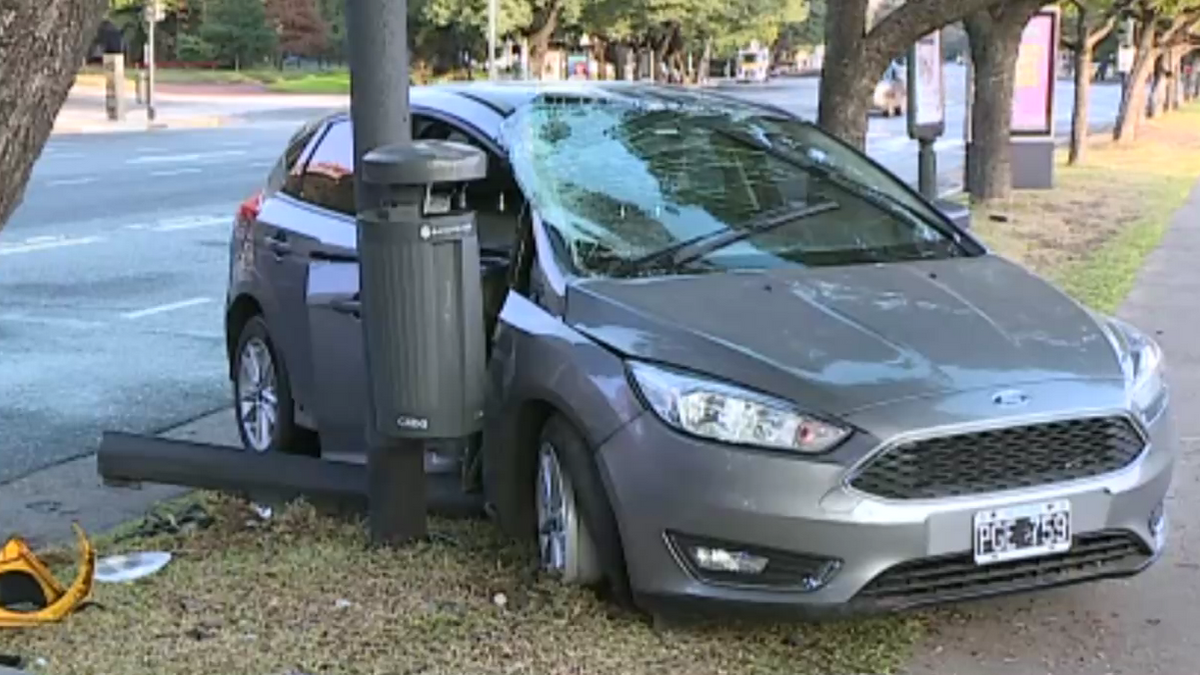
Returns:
<point x="843" y="338"/>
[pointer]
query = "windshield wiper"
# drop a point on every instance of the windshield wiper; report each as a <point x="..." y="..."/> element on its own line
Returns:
<point x="680" y="253"/>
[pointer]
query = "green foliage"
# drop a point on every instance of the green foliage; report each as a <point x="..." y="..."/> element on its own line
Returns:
<point x="238" y="32"/>
<point x="194" y="49"/>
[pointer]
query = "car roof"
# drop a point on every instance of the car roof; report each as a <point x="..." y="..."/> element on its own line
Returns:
<point x="486" y="104"/>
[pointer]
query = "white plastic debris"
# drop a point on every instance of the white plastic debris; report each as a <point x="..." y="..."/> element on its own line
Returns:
<point x="116" y="569"/>
<point x="264" y="512"/>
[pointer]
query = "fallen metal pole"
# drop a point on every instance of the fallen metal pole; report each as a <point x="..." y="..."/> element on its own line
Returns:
<point x="130" y="458"/>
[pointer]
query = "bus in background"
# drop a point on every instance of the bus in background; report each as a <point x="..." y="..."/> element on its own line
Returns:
<point x="753" y="64"/>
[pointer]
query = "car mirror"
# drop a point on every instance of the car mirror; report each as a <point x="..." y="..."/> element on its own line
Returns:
<point x="959" y="214"/>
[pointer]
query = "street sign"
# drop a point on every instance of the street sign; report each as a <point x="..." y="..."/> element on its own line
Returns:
<point x="153" y="11"/>
<point x="926" y="89"/>
<point x="1125" y="59"/>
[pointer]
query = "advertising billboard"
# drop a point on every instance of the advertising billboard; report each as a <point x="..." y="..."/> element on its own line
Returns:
<point x="1033" y="87"/>
<point x="926" y="87"/>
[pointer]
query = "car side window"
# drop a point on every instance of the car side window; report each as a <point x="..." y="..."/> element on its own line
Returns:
<point x="496" y="200"/>
<point x="328" y="179"/>
<point x="286" y="174"/>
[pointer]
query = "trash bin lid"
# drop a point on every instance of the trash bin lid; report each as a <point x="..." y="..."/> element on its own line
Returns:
<point x="424" y="162"/>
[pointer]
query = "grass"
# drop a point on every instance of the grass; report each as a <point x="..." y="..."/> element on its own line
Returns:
<point x="334" y="81"/>
<point x="303" y="593"/>
<point x="1093" y="231"/>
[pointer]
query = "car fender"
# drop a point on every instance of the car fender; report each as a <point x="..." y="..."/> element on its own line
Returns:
<point x="541" y="366"/>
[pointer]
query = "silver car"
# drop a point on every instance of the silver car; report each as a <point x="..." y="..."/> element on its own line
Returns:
<point x="732" y="360"/>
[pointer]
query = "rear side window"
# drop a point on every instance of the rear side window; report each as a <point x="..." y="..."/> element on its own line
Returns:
<point x="328" y="178"/>
<point x="285" y="175"/>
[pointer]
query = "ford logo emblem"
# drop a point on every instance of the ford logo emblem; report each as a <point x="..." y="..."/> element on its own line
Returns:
<point x="1010" y="398"/>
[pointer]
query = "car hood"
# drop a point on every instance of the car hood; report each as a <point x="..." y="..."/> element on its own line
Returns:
<point x="844" y="338"/>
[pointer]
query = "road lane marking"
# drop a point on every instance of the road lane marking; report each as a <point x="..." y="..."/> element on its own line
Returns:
<point x="64" y="155"/>
<point x="235" y="144"/>
<point x="189" y="157"/>
<point x="174" y="172"/>
<point x="70" y="181"/>
<point x="13" y="249"/>
<point x="261" y="165"/>
<point x="170" y="307"/>
<point x="190" y="223"/>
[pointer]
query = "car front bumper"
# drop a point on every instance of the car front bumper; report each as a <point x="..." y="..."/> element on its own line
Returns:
<point x="892" y="554"/>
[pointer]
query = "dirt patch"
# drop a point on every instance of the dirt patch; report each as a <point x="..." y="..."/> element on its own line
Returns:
<point x="1115" y="204"/>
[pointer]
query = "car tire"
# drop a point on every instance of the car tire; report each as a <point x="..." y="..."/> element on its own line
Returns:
<point x="586" y="527"/>
<point x="263" y="403"/>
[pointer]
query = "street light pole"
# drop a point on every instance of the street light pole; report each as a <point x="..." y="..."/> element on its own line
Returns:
<point x="493" y="10"/>
<point x="379" y="81"/>
<point x="151" y="20"/>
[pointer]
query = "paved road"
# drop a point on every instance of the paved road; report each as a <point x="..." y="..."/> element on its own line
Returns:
<point x="111" y="281"/>
<point x="112" y="271"/>
<point x="888" y="139"/>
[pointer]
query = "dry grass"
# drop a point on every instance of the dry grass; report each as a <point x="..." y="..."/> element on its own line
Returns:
<point x="1091" y="233"/>
<point x="305" y="594"/>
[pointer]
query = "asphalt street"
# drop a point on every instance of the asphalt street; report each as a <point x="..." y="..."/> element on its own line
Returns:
<point x="113" y="270"/>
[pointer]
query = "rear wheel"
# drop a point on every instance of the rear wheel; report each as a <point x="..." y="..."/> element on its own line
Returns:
<point x="264" y="406"/>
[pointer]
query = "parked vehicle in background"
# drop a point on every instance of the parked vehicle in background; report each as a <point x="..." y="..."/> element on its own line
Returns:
<point x="731" y="359"/>
<point x="891" y="93"/>
<point x="753" y="64"/>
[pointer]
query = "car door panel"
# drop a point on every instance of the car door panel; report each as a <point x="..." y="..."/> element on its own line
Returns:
<point x="339" y="364"/>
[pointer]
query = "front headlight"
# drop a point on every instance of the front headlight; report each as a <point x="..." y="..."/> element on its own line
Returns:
<point x="1142" y="360"/>
<point x="731" y="414"/>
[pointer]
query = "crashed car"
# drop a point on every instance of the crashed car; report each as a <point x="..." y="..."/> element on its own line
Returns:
<point x="733" y="361"/>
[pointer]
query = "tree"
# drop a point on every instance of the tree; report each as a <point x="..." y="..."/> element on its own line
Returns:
<point x="1094" y="21"/>
<point x="238" y="31"/>
<point x="42" y="44"/>
<point x="1160" y="24"/>
<point x="858" y="50"/>
<point x="995" y="38"/>
<point x="298" y="24"/>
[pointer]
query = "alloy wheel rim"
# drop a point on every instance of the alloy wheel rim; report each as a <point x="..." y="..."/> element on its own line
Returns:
<point x="558" y="522"/>
<point x="258" y="403"/>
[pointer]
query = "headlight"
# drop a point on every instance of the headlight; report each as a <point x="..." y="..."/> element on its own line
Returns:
<point x="731" y="414"/>
<point x="1142" y="360"/>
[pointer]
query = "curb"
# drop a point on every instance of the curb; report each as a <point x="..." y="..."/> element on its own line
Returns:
<point x="200" y="122"/>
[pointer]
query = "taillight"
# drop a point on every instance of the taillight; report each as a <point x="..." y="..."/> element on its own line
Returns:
<point x="248" y="210"/>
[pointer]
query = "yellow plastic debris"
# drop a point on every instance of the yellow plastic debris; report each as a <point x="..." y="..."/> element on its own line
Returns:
<point x="29" y="593"/>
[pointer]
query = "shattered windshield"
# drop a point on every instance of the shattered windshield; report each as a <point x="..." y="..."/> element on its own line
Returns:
<point x="617" y="183"/>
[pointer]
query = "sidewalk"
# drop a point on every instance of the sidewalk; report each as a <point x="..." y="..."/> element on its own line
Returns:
<point x="1142" y="625"/>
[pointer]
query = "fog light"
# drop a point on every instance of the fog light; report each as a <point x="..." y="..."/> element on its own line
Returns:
<point x="721" y="560"/>
<point x="732" y="564"/>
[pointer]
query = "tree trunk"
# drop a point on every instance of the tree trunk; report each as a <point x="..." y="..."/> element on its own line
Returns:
<point x="42" y="45"/>
<point x="1086" y="41"/>
<point x="539" y="40"/>
<point x="995" y="38"/>
<point x="847" y="79"/>
<point x="1134" y="104"/>
<point x="1158" y="93"/>
<point x="1083" y="86"/>
<point x="704" y="61"/>
<point x="856" y="58"/>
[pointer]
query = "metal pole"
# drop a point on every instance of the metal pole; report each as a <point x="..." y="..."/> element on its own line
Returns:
<point x="968" y="113"/>
<point x="492" y="11"/>
<point x="379" y="106"/>
<point x="150" y="65"/>
<point x="927" y="168"/>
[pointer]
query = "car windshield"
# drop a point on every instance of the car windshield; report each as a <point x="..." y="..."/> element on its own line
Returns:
<point x="647" y="189"/>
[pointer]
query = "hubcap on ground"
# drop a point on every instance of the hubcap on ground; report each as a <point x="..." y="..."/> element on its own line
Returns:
<point x="258" y="405"/>
<point x="564" y="546"/>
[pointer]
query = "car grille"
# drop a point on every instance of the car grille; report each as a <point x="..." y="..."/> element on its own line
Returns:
<point x="1001" y="459"/>
<point x="957" y="577"/>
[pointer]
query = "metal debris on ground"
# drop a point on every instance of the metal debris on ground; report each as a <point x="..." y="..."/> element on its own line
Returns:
<point x="194" y="517"/>
<point x="29" y="592"/>
<point x="129" y="567"/>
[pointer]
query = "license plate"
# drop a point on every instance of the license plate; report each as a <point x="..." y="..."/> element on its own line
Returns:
<point x="1025" y="531"/>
